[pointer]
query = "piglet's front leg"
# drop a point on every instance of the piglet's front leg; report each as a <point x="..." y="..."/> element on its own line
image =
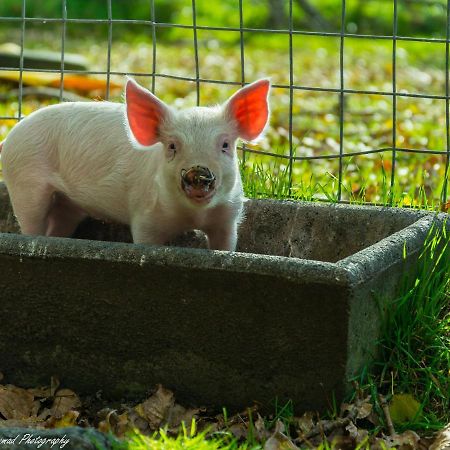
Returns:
<point x="223" y="238"/>
<point x="144" y="231"/>
<point x="222" y="228"/>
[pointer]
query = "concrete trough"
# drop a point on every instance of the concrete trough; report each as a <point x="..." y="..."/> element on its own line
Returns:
<point x="292" y="315"/>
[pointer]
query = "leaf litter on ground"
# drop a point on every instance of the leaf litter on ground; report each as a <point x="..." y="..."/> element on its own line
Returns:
<point x="358" y="424"/>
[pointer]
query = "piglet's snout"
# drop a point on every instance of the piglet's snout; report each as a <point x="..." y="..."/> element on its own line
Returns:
<point x="198" y="182"/>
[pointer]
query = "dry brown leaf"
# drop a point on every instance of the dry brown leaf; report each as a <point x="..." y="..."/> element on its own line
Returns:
<point x="80" y="83"/>
<point x="122" y="425"/>
<point x="69" y="419"/>
<point x="54" y="385"/>
<point x="352" y="430"/>
<point x="279" y="441"/>
<point x="104" y="427"/>
<point x="262" y="433"/>
<point x="178" y="414"/>
<point x="108" y="421"/>
<point x="113" y="422"/>
<point x="238" y="430"/>
<point x="357" y="434"/>
<point x="15" y="403"/>
<point x="65" y="401"/>
<point x="361" y="409"/>
<point x="44" y="414"/>
<point x="259" y="423"/>
<point x="348" y="409"/>
<point x="156" y="408"/>
<point x="36" y="408"/>
<point x="135" y="420"/>
<point x="326" y="427"/>
<point x="305" y="423"/>
<point x="442" y="440"/>
<point x="408" y="440"/>
<point x="279" y="427"/>
<point x="40" y="392"/>
<point x="30" y="422"/>
<point x="342" y="442"/>
<point x="364" y="410"/>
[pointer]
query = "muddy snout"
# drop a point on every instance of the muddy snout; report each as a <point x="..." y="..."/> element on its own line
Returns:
<point x="198" y="183"/>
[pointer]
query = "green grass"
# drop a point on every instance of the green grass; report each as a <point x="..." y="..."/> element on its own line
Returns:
<point x="315" y="124"/>
<point x="201" y="441"/>
<point x="184" y="440"/>
<point x="415" y="355"/>
<point x="415" y="346"/>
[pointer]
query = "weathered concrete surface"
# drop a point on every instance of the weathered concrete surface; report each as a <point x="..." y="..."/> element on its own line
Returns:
<point x="219" y="328"/>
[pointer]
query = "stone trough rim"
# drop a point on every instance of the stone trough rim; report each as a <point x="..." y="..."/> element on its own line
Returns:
<point x="351" y="269"/>
<point x="180" y="257"/>
<point x="366" y="262"/>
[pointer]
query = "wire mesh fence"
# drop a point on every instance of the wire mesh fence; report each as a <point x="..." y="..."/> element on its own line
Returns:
<point x="293" y="84"/>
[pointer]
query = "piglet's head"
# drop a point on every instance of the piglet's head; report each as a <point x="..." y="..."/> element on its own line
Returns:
<point x="198" y="144"/>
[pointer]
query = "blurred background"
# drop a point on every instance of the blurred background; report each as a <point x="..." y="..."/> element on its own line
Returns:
<point x="306" y="120"/>
<point x="415" y="17"/>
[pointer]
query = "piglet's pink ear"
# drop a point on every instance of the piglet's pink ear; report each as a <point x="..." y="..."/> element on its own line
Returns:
<point x="250" y="109"/>
<point x="144" y="113"/>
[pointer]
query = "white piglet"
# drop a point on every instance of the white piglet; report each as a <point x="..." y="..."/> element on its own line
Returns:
<point x="142" y="163"/>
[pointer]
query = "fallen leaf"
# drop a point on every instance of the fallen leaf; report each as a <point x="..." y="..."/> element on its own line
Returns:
<point x="44" y="414"/>
<point x="15" y="402"/>
<point x="442" y="440"/>
<point x="238" y="430"/>
<point x="178" y="414"/>
<point x="54" y="385"/>
<point x="65" y="401"/>
<point x="136" y="421"/>
<point x="155" y="409"/>
<point x="30" y="422"/>
<point x="364" y="410"/>
<point x="305" y="422"/>
<point x="279" y="441"/>
<point x="262" y="432"/>
<point x="360" y="409"/>
<point x="41" y="392"/>
<point x="35" y="409"/>
<point x="79" y="83"/>
<point x="122" y="425"/>
<point x="115" y="423"/>
<point x="69" y="419"/>
<point x="403" y="408"/>
<point x="45" y="391"/>
<point x="359" y="435"/>
<point x="408" y="440"/>
<point x="279" y="427"/>
<point x="108" y="419"/>
<point x="342" y="442"/>
<point x="352" y="430"/>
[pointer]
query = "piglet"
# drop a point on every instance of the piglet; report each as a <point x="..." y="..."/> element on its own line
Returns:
<point x="159" y="170"/>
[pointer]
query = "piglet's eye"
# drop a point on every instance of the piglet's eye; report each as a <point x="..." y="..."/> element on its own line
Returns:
<point x="172" y="146"/>
<point x="225" y="146"/>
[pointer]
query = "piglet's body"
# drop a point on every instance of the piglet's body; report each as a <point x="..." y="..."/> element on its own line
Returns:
<point x="141" y="163"/>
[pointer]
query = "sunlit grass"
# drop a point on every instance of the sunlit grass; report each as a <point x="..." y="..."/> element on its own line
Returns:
<point x="415" y="343"/>
<point x="368" y="118"/>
